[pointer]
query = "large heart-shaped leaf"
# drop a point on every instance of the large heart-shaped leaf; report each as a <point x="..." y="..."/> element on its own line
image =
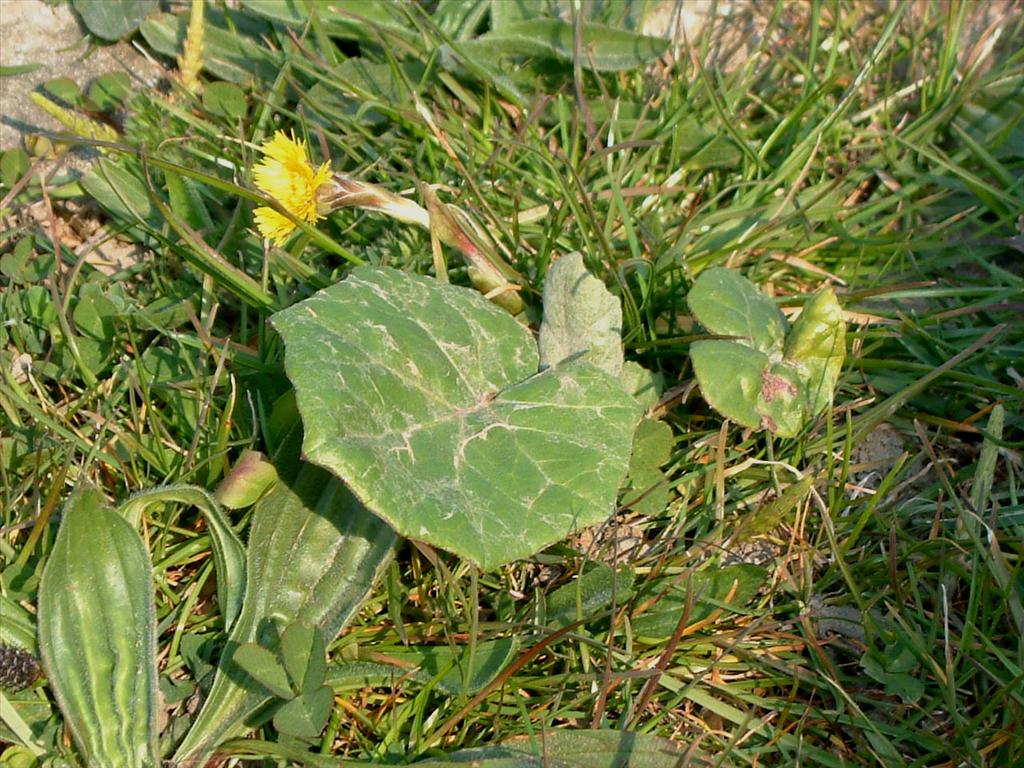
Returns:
<point x="425" y="399"/>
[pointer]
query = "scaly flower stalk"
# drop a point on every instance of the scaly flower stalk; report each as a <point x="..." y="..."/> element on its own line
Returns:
<point x="489" y="273"/>
<point x="344" y="191"/>
<point x="450" y="225"/>
<point x="287" y="175"/>
<point x="309" y="194"/>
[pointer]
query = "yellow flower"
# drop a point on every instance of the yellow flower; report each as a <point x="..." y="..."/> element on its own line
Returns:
<point x="286" y="175"/>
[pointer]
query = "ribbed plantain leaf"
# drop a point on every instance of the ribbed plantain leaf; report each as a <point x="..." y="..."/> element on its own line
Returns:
<point x="97" y="635"/>
<point x="314" y="554"/>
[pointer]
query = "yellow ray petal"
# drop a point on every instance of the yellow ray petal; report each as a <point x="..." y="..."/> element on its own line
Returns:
<point x="286" y="175"/>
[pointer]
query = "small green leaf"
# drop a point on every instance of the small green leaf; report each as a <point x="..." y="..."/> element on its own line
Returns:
<point x="225" y="100"/>
<point x="564" y="748"/>
<point x="121" y="192"/>
<point x="728" y="304"/>
<point x="165" y="312"/>
<point x="425" y="398"/>
<point x="644" y="385"/>
<point x="329" y="105"/>
<point x="780" y="401"/>
<point x="604" y="49"/>
<point x="13" y="165"/>
<point x="13" y="70"/>
<point x="250" y="478"/>
<point x="377" y="80"/>
<point x="717" y="151"/>
<point x="892" y="671"/>
<point x="91" y="354"/>
<point x="647" y="490"/>
<point x="652" y="445"/>
<point x="187" y="203"/>
<point x="65" y="89"/>
<point x="711" y="586"/>
<point x="302" y="651"/>
<point x="196" y="652"/>
<point x="770" y="515"/>
<point x="264" y="668"/>
<point x="109" y="91"/>
<point x="305" y="716"/>
<point x="580" y="318"/>
<point x="94" y="313"/>
<point x="730" y="376"/>
<point x="24" y="265"/>
<point x="818" y="345"/>
<point x="588" y="595"/>
<point x="113" y="19"/>
<point x="459" y="671"/>
<point x="469" y="670"/>
<point x="175" y="691"/>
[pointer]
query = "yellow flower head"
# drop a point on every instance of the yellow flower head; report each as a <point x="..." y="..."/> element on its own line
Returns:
<point x="287" y="176"/>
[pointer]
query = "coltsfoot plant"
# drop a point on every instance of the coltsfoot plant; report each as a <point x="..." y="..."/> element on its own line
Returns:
<point x="437" y="412"/>
<point x="769" y="376"/>
<point x="440" y="412"/>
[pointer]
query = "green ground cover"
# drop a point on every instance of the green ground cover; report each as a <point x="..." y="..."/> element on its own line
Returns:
<point x="849" y="595"/>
